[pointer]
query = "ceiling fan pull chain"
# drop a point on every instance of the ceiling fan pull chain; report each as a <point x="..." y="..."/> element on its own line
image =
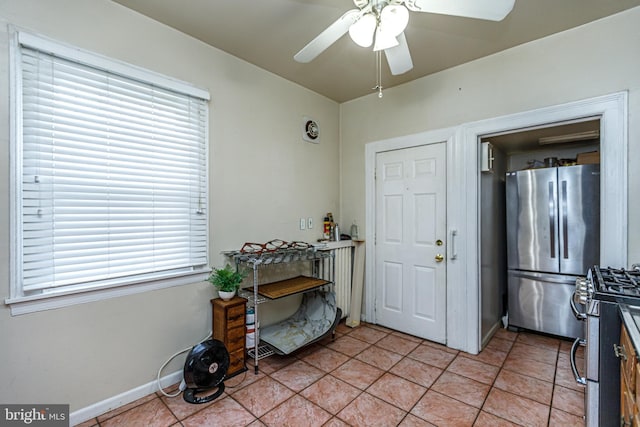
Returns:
<point x="378" y="86"/>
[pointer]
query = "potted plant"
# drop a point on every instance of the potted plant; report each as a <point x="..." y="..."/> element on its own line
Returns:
<point x="227" y="281"/>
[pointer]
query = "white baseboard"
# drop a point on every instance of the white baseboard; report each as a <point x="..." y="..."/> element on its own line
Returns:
<point x="99" y="408"/>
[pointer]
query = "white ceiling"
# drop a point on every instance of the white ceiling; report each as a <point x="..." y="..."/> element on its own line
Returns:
<point x="268" y="33"/>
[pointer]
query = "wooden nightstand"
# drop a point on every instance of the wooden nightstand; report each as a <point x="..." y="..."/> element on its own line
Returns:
<point x="229" y="327"/>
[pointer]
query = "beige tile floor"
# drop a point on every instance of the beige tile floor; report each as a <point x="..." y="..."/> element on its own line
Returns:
<point x="372" y="376"/>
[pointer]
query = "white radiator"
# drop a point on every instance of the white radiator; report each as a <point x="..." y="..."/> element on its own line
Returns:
<point x="343" y="264"/>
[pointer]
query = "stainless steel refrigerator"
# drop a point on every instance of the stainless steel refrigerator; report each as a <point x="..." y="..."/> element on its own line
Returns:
<point x="553" y="236"/>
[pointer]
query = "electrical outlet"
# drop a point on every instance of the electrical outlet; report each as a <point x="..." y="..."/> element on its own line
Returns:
<point x="303" y="224"/>
<point x="309" y="223"/>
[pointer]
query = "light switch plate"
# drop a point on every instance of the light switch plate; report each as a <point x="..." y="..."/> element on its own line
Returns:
<point x="309" y="223"/>
<point x="303" y="224"/>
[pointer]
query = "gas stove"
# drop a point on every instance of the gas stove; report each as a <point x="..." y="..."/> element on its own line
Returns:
<point x="609" y="284"/>
<point x="618" y="281"/>
<point x="599" y="294"/>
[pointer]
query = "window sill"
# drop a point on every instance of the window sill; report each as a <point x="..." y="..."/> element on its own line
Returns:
<point x="41" y="302"/>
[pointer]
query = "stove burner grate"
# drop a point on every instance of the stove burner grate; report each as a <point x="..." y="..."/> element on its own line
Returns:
<point x="619" y="280"/>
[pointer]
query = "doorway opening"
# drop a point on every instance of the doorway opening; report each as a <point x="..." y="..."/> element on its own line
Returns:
<point x="463" y="290"/>
<point x="576" y="142"/>
<point x="463" y="279"/>
<point x="464" y="283"/>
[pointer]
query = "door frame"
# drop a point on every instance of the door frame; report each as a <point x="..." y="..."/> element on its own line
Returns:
<point x="612" y="110"/>
<point x="446" y="136"/>
<point x="463" y="207"/>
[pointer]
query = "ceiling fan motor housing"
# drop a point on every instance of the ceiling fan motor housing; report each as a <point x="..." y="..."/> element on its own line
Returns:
<point x="390" y="18"/>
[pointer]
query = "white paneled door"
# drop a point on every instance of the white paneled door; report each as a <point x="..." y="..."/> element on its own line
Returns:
<point x="410" y="247"/>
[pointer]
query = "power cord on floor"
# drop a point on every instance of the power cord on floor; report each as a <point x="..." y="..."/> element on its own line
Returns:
<point x="183" y="385"/>
<point x="244" y="375"/>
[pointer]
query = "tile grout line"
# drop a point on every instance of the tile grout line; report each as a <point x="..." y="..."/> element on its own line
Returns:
<point x="553" y="390"/>
<point x="492" y="387"/>
<point x="385" y="334"/>
<point x="361" y="391"/>
<point x="427" y="389"/>
<point x="325" y="374"/>
<point x="418" y="344"/>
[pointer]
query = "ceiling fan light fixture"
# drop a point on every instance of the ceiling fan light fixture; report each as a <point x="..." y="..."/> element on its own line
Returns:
<point x="384" y="40"/>
<point x="362" y="31"/>
<point x="394" y="19"/>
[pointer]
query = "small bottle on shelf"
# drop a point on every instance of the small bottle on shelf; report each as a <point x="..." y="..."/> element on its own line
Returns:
<point x="326" y="230"/>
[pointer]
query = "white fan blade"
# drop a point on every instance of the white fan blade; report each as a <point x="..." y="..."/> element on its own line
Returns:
<point x="328" y="37"/>
<point x="491" y="10"/>
<point x="399" y="57"/>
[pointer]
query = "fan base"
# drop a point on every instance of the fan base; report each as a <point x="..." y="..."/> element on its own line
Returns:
<point x="197" y="396"/>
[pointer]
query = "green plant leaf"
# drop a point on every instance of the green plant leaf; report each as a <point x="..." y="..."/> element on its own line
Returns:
<point x="226" y="279"/>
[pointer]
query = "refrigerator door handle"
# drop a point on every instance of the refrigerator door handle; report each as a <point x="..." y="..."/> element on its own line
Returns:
<point x="565" y="232"/>
<point x="552" y="221"/>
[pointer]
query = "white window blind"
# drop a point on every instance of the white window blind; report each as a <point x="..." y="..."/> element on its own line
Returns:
<point x="114" y="177"/>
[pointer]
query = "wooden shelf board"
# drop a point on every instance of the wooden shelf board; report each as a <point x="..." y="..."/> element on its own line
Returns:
<point x="288" y="287"/>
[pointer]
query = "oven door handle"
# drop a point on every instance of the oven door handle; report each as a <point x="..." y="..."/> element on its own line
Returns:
<point x="572" y="359"/>
<point x="574" y="308"/>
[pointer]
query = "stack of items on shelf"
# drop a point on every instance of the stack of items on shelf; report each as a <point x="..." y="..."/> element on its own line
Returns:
<point x="251" y="328"/>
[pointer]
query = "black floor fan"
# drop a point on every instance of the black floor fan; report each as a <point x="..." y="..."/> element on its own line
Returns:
<point x="204" y="369"/>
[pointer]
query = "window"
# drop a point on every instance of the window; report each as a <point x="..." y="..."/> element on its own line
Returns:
<point x="110" y="174"/>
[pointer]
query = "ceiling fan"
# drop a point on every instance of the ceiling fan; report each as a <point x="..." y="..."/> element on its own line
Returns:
<point x="381" y="23"/>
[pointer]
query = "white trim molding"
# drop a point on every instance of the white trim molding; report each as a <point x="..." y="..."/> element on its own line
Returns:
<point x="45" y="294"/>
<point x="99" y="408"/>
<point x="50" y="301"/>
<point x="463" y="192"/>
<point x="612" y="110"/>
<point x="447" y="136"/>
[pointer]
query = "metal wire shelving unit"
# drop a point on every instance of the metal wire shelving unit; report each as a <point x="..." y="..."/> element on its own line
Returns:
<point x="322" y="267"/>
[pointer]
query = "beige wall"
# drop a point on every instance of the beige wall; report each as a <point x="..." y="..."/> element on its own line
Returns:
<point x="263" y="179"/>
<point x="596" y="59"/>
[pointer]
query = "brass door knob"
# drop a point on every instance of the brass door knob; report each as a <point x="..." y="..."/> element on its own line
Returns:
<point x="439" y="258"/>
